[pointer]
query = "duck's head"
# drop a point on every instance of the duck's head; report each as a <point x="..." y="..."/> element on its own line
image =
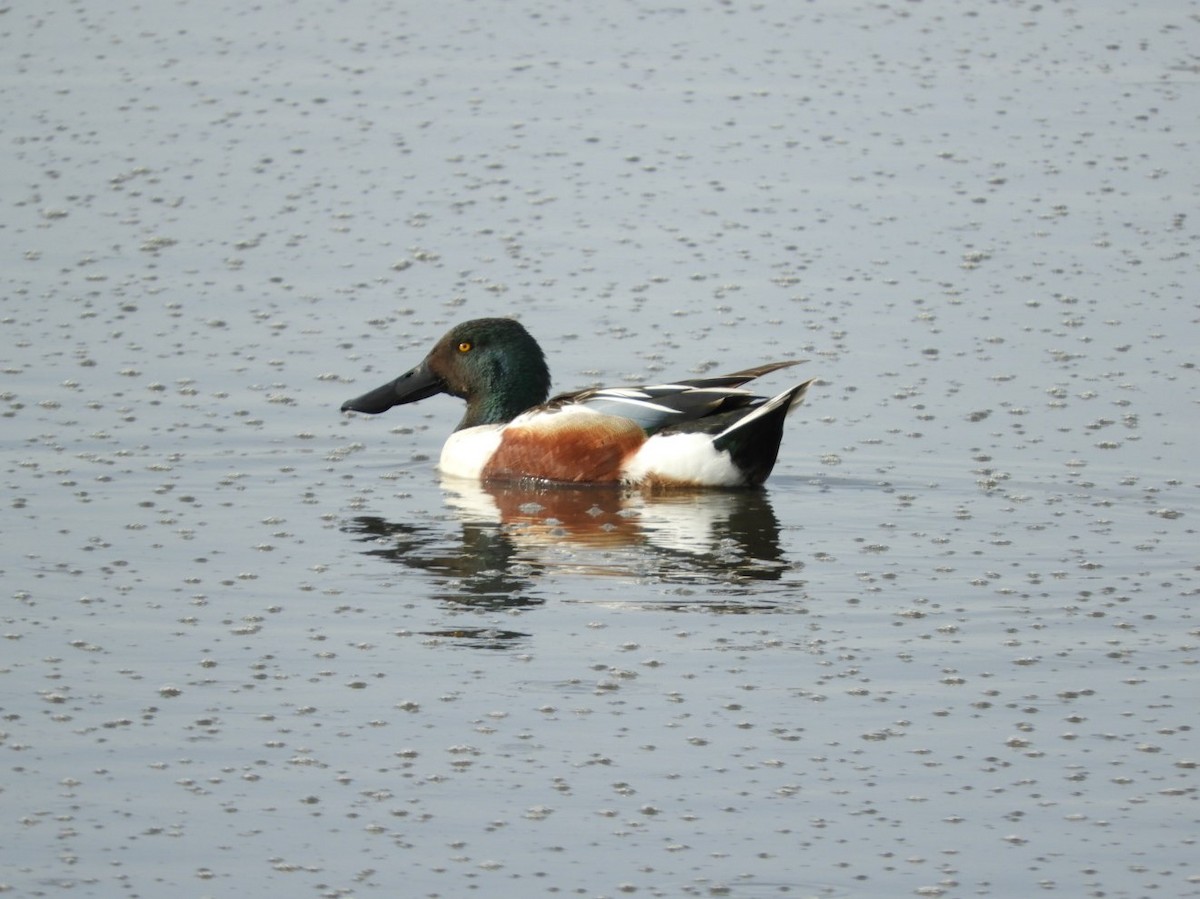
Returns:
<point x="492" y="363"/>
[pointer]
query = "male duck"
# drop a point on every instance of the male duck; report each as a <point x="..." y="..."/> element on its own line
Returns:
<point x="701" y="432"/>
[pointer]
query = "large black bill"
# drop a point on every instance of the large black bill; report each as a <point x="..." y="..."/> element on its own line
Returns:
<point x="408" y="388"/>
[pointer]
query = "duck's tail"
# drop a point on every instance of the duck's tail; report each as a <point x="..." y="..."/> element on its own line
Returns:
<point x="753" y="440"/>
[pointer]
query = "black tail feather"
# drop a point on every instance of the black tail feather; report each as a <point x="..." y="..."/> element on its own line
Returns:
<point x="753" y="441"/>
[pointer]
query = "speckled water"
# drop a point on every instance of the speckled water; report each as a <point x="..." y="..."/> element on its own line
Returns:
<point x="253" y="647"/>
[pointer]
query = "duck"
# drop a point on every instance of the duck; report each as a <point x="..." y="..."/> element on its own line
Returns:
<point x="696" y="432"/>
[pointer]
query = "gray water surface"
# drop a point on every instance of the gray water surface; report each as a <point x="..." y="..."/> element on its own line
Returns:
<point x="254" y="647"/>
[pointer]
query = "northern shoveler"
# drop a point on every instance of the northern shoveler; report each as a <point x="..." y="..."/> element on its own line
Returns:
<point x="699" y="432"/>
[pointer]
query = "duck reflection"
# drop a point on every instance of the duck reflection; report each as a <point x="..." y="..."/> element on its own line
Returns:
<point x="513" y="535"/>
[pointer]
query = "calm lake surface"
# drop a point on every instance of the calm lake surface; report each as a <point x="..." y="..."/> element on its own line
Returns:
<point x="255" y="647"/>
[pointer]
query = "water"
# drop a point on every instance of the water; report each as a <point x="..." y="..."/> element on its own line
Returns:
<point x="251" y="645"/>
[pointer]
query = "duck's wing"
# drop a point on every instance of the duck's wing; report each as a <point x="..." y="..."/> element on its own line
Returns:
<point x="738" y="378"/>
<point x="724" y="422"/>
<point x="658" y="406"/>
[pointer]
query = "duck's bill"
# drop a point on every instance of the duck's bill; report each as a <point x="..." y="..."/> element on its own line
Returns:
<point x="408" y="388"/>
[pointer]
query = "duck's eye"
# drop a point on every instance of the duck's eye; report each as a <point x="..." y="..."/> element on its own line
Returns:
<point x="465" y="346"/>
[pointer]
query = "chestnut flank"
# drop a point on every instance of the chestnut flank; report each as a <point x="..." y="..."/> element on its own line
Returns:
<point x="566" y="447"/>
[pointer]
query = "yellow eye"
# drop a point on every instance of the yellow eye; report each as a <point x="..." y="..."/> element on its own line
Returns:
<point x="465" y="346"/>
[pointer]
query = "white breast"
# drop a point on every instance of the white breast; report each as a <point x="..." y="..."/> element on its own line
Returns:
<point x="467" y="451"/>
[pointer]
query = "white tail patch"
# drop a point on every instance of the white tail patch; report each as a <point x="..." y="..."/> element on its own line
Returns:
<point x="685" y="460"/>
<point x="793" y="396"/>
